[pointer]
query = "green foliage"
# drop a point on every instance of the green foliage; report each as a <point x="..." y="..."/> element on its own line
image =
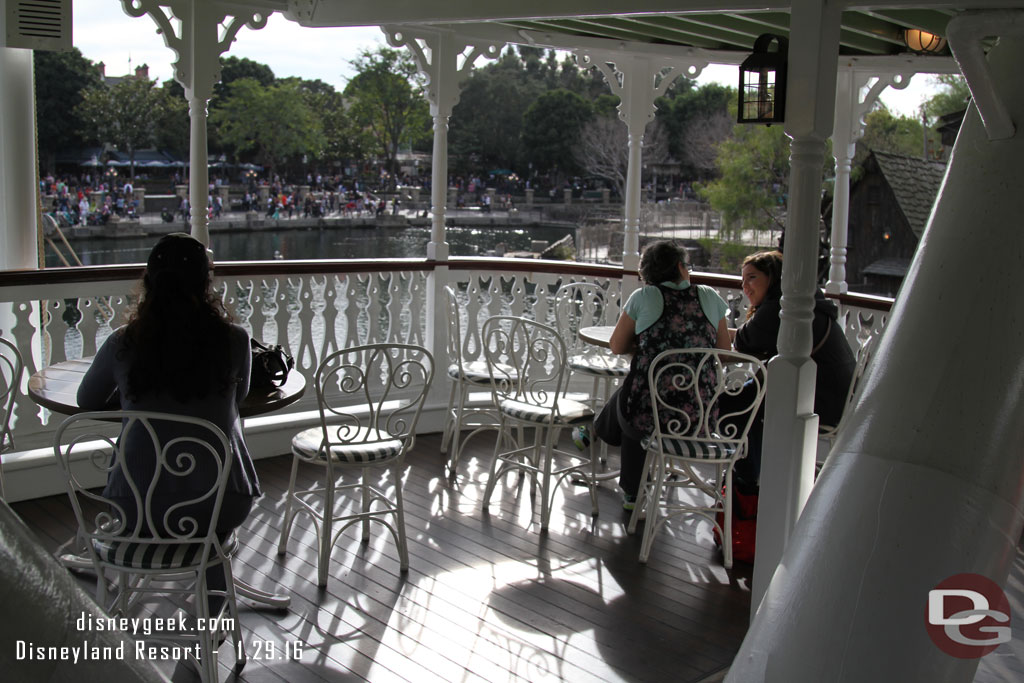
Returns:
<point x="60" y="79"/>
<point x="171" y="124"/>
<point x="273" y="122"/>
<point x="124" y="115"/>
<point x="696" y="120"/>
<point x="753" y="183"/>
<point x="952" y="96"/>
<point x="552" y="127"/>
<point x="888" y="133"/>
<point x="386" y="103"/>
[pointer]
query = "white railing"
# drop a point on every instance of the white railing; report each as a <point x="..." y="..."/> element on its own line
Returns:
<point x="312" y="308"/>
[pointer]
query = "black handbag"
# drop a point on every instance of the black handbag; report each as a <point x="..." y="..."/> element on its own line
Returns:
<point x="270" y="366"/>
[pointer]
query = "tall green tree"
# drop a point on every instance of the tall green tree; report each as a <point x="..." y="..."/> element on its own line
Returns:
<point x="60" y="80"/>
<point x="385" y="100"/>
<point x="552" y="127"/>
<point x="953" y="95"/>
<point x="753" y="183"/>
<point x="272" y="122"/>
<point x="696" y="120"/>
<point x="123" y="115"/>
<point x="172" y="125"/>
<point x="888" y="133"/>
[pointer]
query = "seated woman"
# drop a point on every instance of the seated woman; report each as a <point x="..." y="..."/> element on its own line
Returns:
<point x="762" y="285"/>
<point x="179" y="353"/>
<point x="666" y="313"/>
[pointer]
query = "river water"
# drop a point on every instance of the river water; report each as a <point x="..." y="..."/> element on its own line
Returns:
<point x="327" y="243"/>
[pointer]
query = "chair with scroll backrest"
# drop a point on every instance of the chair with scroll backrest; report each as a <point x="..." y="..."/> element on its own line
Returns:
<point x="160" y="539"/>
<point x="704" y="402"/>
<point x="529" y="373"/>
<point x="370" y="398"/>
<point x="11" y="369"/>
<point x="828" y="433"/>
<point x="467" y="409"/>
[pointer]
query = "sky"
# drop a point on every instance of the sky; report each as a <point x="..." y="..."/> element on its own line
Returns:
<point x="103" y="32"/>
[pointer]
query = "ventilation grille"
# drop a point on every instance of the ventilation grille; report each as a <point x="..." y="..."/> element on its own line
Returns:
<point x="38" y="24"/>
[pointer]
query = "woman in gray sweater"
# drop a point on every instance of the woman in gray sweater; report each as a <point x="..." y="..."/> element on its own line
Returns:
<point x="179" y="353"/>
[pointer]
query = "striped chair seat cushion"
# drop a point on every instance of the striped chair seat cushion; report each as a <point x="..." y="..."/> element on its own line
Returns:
<point x="362" y="445"/>
<point x="699" y="449"/>
<point x="603" y="365"/>
<point x="142" y="555"/>
<point x="476" y="372"/>
<point x="569" y="411"/>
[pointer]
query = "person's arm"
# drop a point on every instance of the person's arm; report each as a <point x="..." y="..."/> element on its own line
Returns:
<point x="759" y="335"/>
<point x="724" y="340"/>
<point x="623" y="337"/>
<point x="99" y="386"/>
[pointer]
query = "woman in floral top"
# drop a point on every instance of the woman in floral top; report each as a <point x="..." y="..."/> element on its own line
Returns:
<point x="666" y="313"/>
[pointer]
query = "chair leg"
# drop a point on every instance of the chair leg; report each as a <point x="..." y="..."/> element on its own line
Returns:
<point x="289" y="512"/>
<point x="456" y="435"/>
<point x="451" y="423"/>
<point x="403" y="545"/>
<point x="492" y="479"/>
<point x="365" y="504"/>
<point x="326" y="530"/>
<point x="653" y="500"/>
<point x="643" y="494"/>
<point x="727" y="531"/>
<point x="236" y="630"/>
<point x="545" y="486"/>
<point x="592" y="481"/>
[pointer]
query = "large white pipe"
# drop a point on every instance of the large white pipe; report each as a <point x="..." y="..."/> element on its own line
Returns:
<point x="927" y="480"/>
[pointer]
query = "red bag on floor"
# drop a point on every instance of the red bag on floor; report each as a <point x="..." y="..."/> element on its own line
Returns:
<point x="744" y="526"/>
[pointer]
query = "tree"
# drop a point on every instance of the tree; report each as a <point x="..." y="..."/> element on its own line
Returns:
<point x="385" y="100"/>
<point x="123" y="115"/>
<point x="754" y="179"/>
<point x="604" y="149"/>
<point x="274" y="122"/>
<point x="60" y="79"/>
<point x="952" y="97"/>
<point x="888" y="133"/>
<point x="697" y="119"/>
<point x="172" y="126"/>
<point x="552" y="127"/>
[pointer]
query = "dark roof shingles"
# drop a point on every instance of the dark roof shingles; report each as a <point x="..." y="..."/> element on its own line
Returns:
<point x="915" y="183"/>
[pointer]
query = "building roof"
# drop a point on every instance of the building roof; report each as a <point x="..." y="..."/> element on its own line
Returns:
<point x="915" y="183"/>
<point x="889" y="266"/>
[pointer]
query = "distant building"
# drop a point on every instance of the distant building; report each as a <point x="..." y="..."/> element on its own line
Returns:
<point x="889" y="208"/>
<point x="141" y="73"/>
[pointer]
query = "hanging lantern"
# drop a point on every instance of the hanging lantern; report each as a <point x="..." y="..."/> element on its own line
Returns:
<point x="763" y="82"/>
<point x="923" y="42"/>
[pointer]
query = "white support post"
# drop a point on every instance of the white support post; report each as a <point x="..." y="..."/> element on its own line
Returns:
<point x="851" y="109"/>
<point x="790" y="430"/>
<point x="437" y="53"/>
<point x="203" y="38"/>
<point x="638" y="80"/>
<point x="437" y="56"/>
<point x="18" y="173"/>
<point x="924" y="482"/>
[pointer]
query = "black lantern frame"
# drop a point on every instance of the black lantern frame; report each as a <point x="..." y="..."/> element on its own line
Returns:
<point x="763" y="82"/>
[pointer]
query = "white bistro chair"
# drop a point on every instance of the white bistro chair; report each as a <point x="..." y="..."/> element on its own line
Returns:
<point x="695" y="442"/>
<point x="828" y="434"/>
<point x="11" y="369"/>
<point x="370" y="398"/>
<point x="529" y="374"/>
<point x="152" y="551"/>
<point x="470" y="402"/>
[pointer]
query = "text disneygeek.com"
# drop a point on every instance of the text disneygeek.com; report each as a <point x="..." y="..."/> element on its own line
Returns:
<point x="141" y="628"/>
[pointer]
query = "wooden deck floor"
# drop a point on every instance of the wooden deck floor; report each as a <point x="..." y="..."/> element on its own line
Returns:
<point x="487" y="597"/>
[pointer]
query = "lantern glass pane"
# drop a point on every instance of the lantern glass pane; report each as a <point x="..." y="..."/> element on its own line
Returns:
<point x="759" y="94"/>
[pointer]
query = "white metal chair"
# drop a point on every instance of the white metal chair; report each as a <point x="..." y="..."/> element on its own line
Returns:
<point x="585" y="304"/>
<point x="829" y="433"/>
<point x="152" y="546"/>
<point x="370" y="398"/>
<point x="466" y="409"/>
<point x="11" y="369"/>
<point x="531" y="393"/>
<point x="694" y="438"/>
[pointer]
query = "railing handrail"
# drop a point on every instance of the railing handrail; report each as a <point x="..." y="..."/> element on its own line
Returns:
<point x="76" y="274"/>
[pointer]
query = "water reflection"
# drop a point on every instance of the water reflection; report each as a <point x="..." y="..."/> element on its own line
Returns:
<point x="331" y="243"/>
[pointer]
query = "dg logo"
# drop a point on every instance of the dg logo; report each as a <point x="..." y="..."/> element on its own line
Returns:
<point x="968" y="616"/>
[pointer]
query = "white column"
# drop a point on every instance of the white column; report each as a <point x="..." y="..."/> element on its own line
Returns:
<point x="850" y="110"/>
<point x="791" y="427"/>
<point x="638" y="80"/>
<point x="924" y="482"/>
<point x="18" y="171"/>
<point x="202" y="36"/>
<point x="437" y="54"/>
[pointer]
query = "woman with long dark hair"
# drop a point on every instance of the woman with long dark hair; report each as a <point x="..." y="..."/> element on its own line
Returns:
<point x="179" y="353"/>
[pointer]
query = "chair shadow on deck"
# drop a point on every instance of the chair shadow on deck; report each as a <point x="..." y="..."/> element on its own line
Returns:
<point x="484" y="597"/>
